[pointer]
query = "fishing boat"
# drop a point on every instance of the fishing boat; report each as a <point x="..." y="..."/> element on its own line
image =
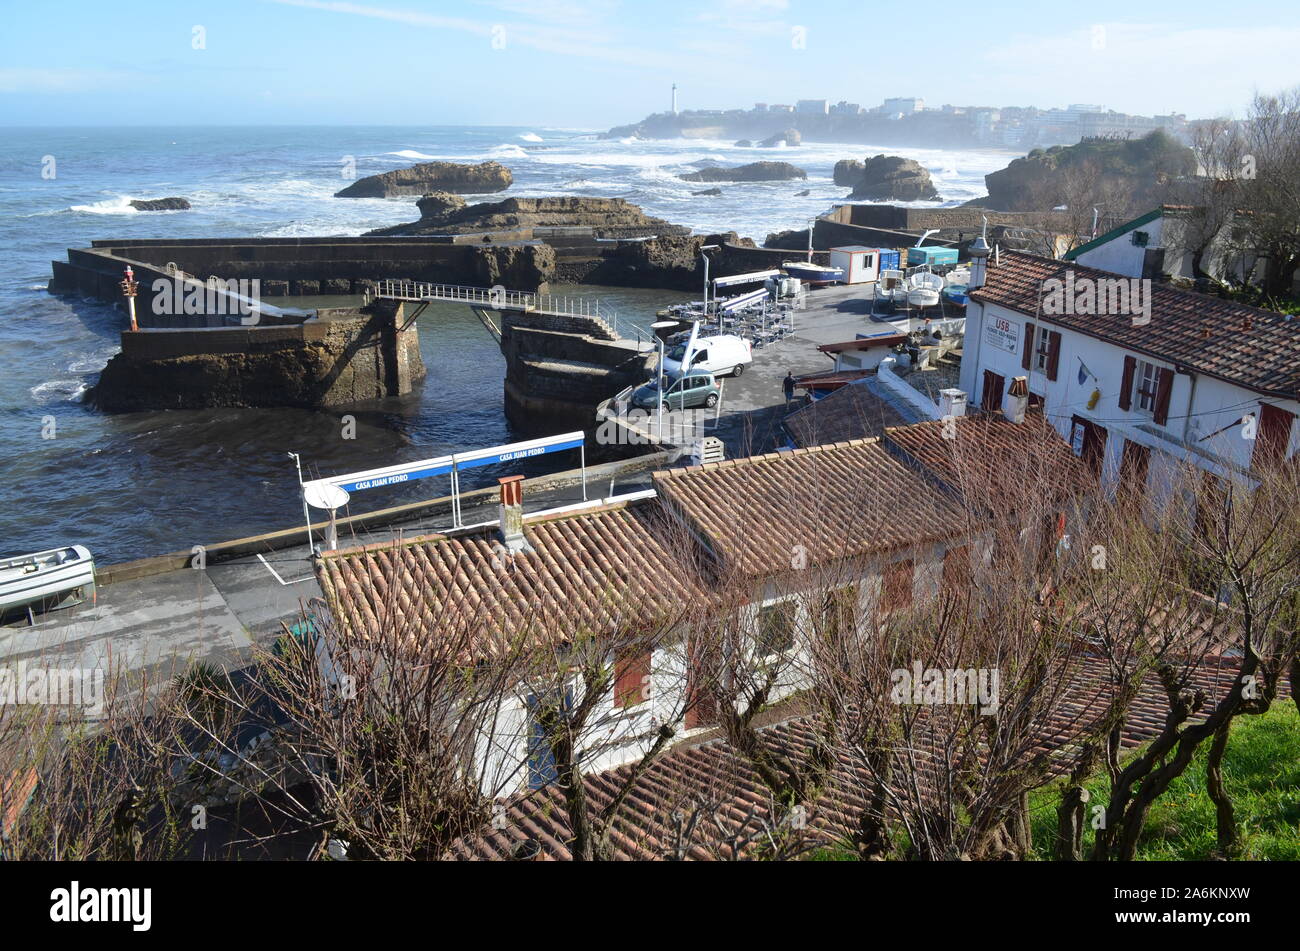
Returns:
<point x="956" y="294"/>
<point x="60" y="576"/>
<point x="807" y="271"/>
<point x="923" y="289"/>
<point x="812" y="273"/>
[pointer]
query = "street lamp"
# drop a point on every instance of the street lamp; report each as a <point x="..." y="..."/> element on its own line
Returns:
<point x="659" y="326"/>
<point x="130" y="287"/>
<point x="703" y="248"/>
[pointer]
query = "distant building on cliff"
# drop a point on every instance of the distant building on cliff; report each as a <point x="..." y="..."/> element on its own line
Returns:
<point x="815" y="107"/>
<point x="906" y="105"/>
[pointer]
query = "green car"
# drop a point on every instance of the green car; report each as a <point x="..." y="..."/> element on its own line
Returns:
<point x="688" y="392"/>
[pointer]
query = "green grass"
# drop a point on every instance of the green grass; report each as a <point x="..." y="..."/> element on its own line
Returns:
<point x="1262" y="771"/>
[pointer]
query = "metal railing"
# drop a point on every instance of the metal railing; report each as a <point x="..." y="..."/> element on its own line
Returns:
<point x="498" y="298"/>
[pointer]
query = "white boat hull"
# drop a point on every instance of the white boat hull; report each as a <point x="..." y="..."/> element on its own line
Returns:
<point x="42" y="576"/>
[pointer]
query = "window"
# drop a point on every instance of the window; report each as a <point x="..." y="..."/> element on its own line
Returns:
<point x="1036" y="403"/>
<point x="1043" y="349"/>
<point x="547" y="713"/>
<point x="1140" y="238"/>
<point x="896" y="586"/>
<point x="957" y="574"/>
<point x="631" y="679"/>
<point x="1147" y="381"/>
<point x="840" y="613"/>
<point x="776" y="628"/>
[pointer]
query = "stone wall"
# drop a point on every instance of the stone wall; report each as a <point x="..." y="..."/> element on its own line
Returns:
<point x="339" y="358"/>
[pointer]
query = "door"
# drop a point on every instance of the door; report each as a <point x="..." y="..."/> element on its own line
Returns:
<point x="1089" y="443"/>
<point x="1133" y="470"/>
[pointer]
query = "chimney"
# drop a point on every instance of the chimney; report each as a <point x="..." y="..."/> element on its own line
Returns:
<point x="511" y="514"/>
<point x="1016" y="402"/>
<point x="952" y="402"/>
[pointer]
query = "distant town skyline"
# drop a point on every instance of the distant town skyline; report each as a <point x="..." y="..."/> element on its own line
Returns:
<point x="598" y="63"/>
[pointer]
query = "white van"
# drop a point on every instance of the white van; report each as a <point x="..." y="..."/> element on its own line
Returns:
<point x="722" y="355"/>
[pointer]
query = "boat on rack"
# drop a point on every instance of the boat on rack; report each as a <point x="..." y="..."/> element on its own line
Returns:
<point x="923" y="289"/>
<point x="811" y="273"/>
<point x="58" y="577"/>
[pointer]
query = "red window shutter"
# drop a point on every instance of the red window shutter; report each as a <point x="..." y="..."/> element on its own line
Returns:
<point x="897" y="587"/>
<point x="1274" y="435"/>
<point x="956" y="569"/>
<point x="629" y="679"/>
<point x="1028" y="354"/>
<point x="1126" y="387"/>
<point x="1053" y="354"/>
<point x="1164" y="386"/>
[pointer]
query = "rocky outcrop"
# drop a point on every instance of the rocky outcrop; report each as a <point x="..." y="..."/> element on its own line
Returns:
<point x="709" y="192"/>
<point x="753" y="172"/>
<point x="789" y="137"/>
<point x="1138" y="169"/>
<point x="430" y="177"/>
<point x="848" y="172"/>
<point x="894" y="178"/>
<point x="161" y="204"/>
<point x="439" y="204"/>
<point x="607" y="217"/>
<point x="744" y="144"/>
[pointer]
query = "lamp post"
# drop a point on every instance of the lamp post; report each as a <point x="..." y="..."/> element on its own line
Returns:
<point x="659" y="326"/>
<point x="130" y="287"/>
<point x="305" y="514"/>
<point x="703" y="248"/>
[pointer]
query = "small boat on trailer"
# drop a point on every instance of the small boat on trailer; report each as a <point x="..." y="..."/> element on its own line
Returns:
<point x="58" y="578"/>
<point x="811" y="273"/>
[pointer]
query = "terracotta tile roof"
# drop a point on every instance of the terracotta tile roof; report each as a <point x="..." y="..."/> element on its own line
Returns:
<point x="864" y="343"/>
<point x="993" y="457"/>
<point x="590" y="571"/>
<point x="836" y="501"/>
<point x="709" y="777"/>
<point x="851" y="412"/>
<point x="1204" y="333"/>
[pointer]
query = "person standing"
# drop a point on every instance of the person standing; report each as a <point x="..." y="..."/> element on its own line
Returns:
<point x="788" y="385"/>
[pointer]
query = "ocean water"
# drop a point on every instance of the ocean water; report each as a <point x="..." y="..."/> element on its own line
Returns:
<point x="145" y="483"/>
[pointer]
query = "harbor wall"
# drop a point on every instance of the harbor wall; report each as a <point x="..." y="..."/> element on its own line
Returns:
<point x="309" y="266"/>
<point x="338" y="357"/>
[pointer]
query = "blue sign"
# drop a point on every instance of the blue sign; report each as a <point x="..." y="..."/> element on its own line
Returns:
<point x="396" y="478"/>
<point x="513" y="455"/>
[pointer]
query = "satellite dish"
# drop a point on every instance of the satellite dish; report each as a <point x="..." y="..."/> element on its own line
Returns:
<point x="324" y="495"/>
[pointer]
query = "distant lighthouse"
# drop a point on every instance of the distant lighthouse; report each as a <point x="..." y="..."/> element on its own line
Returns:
<point x="674" y="99"/>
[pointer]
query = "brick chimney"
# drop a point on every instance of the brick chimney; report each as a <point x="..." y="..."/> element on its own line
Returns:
<point x="1016" y="402"/>
<point x="511" y="514"/>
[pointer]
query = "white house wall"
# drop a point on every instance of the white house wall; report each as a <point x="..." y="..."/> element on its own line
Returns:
<point x="1215" y="404"/>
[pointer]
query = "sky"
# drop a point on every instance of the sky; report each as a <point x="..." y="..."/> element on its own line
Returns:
<point x="597" y="63"/>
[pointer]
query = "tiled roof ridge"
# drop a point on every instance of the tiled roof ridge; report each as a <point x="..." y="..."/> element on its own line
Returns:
<point x="480" y="531"/>
<point x="1156" y="286"/>
<point x="747" y="460"/>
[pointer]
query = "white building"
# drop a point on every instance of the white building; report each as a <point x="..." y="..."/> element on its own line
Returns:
<point x="906" y="105"/>
<point x="1156" y="244"/>
<point x="1135" y="374"/>
<point x="760" y="542"/>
